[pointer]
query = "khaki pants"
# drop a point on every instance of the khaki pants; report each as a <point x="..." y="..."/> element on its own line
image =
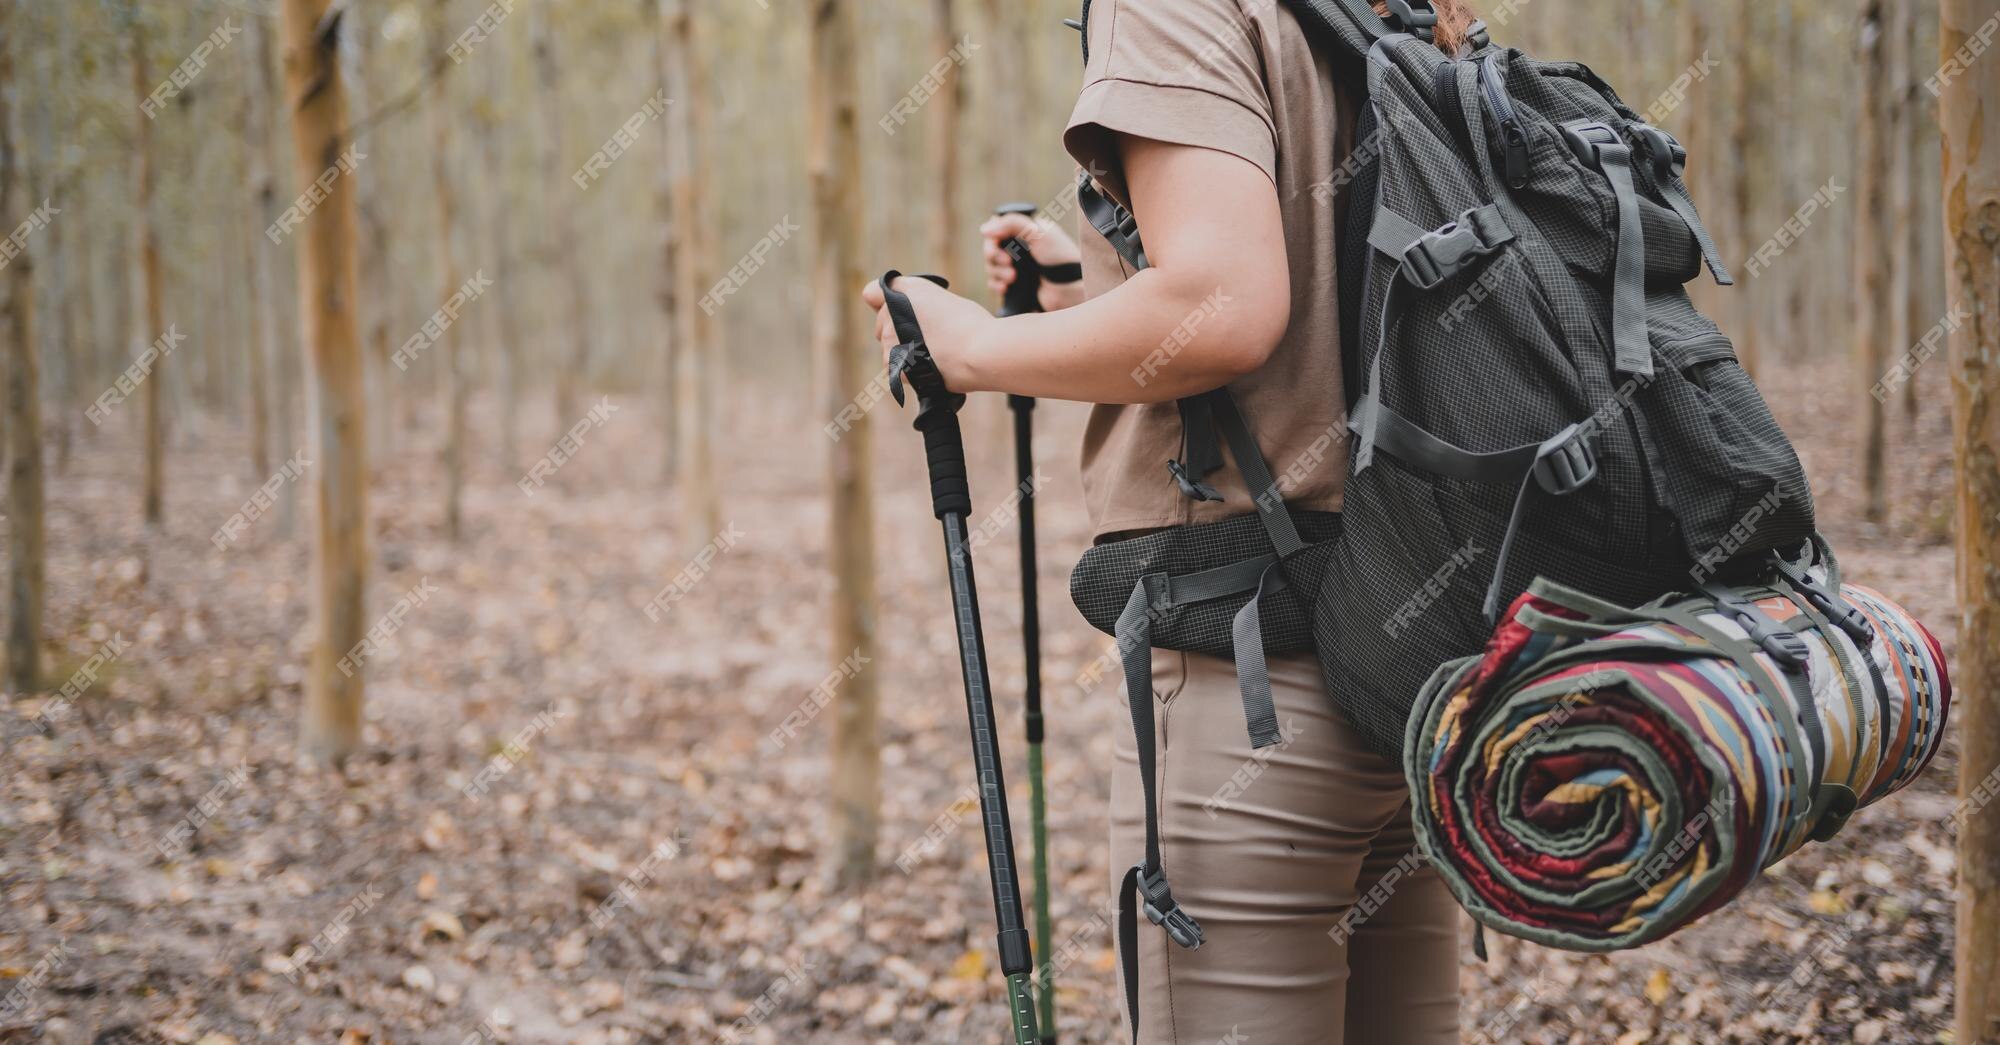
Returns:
<point x="1268" y="851"/>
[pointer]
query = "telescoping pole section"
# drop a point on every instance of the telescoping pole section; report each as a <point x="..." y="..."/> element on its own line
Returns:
<point x="951" y="502"/>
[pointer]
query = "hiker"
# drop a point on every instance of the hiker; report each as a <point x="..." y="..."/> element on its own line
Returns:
<point x="1223" y="131"/>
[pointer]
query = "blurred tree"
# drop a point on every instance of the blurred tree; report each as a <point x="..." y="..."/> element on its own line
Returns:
<point x="694" y="383"/>
<point x="497" y="224"/>
<point x="147" y="255"/>
<point x="1970" y="122"/>
<point x="253" y="99"/>
<point x="26" y="555"/>
<point x="947" y="237"/>
<point x="328" y="282"/>
<point x="449" y="344"/>
<point x="666" y="202"/>
<point x="559" y="196"/>
<point x="834" y="164"/>
<point x="1872" y="237"/>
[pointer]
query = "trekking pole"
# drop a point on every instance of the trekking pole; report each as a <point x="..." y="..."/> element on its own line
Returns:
<point x="951" y="502"/>
<point x="1023" y="296"/>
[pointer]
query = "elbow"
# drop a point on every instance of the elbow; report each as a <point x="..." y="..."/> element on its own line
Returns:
<point x="1244" y="327"/>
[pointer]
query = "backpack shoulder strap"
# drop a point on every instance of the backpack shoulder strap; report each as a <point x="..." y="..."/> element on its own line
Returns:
<point x="1354" y="26"/>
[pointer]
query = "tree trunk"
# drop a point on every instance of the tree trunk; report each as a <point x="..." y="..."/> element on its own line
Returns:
<point x="1970" y="123"/>
<point x="281" y="363"/>
<point x="561" y="195"/>
<point x="694" y="395"/>
<point x="667" y="68"/>
<point x="449" y="345"/>
<point x="499" y="225"/>
<point x="834" y="166"/>
<point x="26" y="557"/>
<point x="327" y="284"/>
<point x="1871" y="240"/>
<point x="1898" y="248"/>
<point x="148" y="255"/>
<point x="1742" y="192"/>
<point x="1918" y="115"/>
<point x="947" y="238"/>
<point x="256" y="170"/>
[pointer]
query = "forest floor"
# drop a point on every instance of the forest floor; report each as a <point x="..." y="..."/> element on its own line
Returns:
<point x="536" y="746"/>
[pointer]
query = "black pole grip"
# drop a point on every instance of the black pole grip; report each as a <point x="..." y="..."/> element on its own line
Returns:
<point x="937" y="406"/>
<point x="944" y="452"/>
<point x="1024" y="294"/>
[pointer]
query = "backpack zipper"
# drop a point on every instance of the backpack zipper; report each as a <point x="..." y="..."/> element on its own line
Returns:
<point x="1512" y="133"/>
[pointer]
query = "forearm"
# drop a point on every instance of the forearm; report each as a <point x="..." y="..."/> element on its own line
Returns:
<point x="1153" y="339"/>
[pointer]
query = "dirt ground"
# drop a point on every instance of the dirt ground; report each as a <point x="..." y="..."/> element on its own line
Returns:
<point x="572" y="824"/>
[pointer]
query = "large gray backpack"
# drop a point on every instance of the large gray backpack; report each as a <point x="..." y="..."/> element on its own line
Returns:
<point x="1531" y="394"/>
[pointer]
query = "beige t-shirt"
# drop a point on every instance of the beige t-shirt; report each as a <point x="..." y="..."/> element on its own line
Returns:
<point x="1237" y="76"/>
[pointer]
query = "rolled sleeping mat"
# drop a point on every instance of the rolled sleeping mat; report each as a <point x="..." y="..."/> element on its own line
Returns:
<point x="1600" y="777"/>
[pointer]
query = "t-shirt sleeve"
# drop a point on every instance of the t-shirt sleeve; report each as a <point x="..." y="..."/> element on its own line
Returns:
<point x="1188" y="72"/>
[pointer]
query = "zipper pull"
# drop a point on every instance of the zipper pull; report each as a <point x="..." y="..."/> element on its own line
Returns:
<point x="1516" y="138"/>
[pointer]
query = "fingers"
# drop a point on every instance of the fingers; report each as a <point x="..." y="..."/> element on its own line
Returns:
<point x="872" y="294"/>
<point x="1001" y="227"/>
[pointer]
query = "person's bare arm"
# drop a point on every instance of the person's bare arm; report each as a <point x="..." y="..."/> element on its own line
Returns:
<point x="1209" y="310"/>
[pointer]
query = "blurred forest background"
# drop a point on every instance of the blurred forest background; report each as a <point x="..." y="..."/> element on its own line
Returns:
<point x="443" y="606"/>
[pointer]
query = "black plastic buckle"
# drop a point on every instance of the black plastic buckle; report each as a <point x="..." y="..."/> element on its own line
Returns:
<point x="1593" y="140"/>
<point x="1785" y="647"/>
<point x="1162" y="911"/>
<point x="1417" y="18"/>
<point x="1669" y="155"/>
<point x="1191" y="487"/>
<point x="1566" y="463"/>
<point x="1438" y="255"/>
<point x="1839" y="613"/>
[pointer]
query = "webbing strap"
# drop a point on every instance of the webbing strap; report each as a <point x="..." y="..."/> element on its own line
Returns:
<point x="1253" y="674"/>
<point x="1392" y="233"/>
<point x="1134" y="635"/>
<point x="1113" y="222"/>
<point x="1256" y="475"/>
<point x="1201" y="452"/>
<point x="1669" y="162"/>
<point x="1631" y="350"/>
<point x="1601" y="147"/>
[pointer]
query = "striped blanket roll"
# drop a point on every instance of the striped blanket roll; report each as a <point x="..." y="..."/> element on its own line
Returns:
<point x="1602" y="776"/>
